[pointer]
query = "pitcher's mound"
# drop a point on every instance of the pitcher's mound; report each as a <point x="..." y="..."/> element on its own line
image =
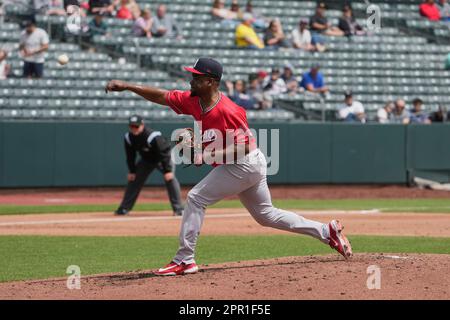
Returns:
<point x="366" y="276"/>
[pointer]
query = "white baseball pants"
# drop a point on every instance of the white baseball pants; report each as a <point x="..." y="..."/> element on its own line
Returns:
<point x="247" y="180"/>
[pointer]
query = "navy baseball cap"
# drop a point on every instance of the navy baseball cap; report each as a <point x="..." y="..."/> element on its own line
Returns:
<point x="135" y="120"/>
<point x="207" y="66"/>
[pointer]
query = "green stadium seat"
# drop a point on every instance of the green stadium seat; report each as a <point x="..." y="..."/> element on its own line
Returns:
<point x="380" y="66"/>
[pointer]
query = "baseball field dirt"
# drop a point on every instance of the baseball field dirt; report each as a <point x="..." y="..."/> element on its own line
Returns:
<point x="152" y="194"/>
<point x="403" y="275"/>
<point x="407" y="276"/>
<point x="218" y="222"/>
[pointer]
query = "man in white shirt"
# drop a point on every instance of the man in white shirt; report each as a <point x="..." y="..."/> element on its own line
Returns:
<point x="352" y="111"/>
<point x="444" y="8"/>
<point x="301" y="37"/>
<point x="33" y="45"/>
<point x="384" y="114"/>
<point x="273" y="84"/>
<point x="165" y="25"/>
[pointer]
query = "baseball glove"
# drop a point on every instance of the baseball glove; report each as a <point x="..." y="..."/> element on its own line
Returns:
<point x="187" y="146"/>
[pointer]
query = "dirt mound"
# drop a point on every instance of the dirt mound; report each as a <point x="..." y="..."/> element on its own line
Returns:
<point x="408" y="276"/>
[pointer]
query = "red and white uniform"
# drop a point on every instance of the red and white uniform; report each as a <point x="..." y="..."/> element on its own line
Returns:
<point x="225" y="117"/>
<point x="247" y="179"/>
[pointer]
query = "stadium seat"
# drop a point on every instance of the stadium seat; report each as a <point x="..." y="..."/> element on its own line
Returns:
<point x="386" y="64"/>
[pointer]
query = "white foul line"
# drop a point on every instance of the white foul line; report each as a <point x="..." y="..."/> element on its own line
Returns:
<point x="134" y="219"/>
<point x="116" y="219"/>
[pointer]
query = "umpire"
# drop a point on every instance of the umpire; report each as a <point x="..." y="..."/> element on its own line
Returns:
<point x="155" y="152"/>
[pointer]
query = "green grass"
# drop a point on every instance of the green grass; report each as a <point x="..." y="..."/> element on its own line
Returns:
<point x="385" y="205"/>
<point x="39" y="257"/>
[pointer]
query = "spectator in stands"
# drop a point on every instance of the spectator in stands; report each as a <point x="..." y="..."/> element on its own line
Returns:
<point x="319" y="24"/>
<point x="246" y="36"/>
<point x="384" y="114"/>
<point x="441" y="115"/>
<point x="5" y="68"/>
<point x="430" y="10"/>
<point x="123" y="12"/>
<point x="289" y="78"/>
<point x="40" y="6"/>
<point x="223" y="14"/>
<point x="164" y="25"/>
<point x="2" y="12"/>
<point x="236" y="9"/>
<point x="72" y="6"/>
<point x="97" y="27"/>
<point x="128" y="10"/>
<point x="444" y="10"/>
<point x="274" y="84"/>
<point x="400" y="114"/>
<point x="255" y="91"/>
<point x="237" y="92"/>
<point x="260" y="20"/>
<point x="261" y="75"/>
<point x="133" y="6"/>
<point x="104" y="7"/>
<point x="75" y="3"/>
<point x="143" y="25"/>
<point x="274" y="37"/>
<point x="351" y="111"/>
<point x="417" y="115"/>
<point x="347" y="23"/>
<point x="313" y="81"/>
<point x="301" y="38"/>
<point x="33" y="45"/>
<point x="56" y="8"/>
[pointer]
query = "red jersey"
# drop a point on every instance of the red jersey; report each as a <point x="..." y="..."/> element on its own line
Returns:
<point x="225" y="117"/>
<point x="431" y="11"/>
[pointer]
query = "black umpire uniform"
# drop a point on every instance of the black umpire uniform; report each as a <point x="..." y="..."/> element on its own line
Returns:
<point x="155" y="153"/>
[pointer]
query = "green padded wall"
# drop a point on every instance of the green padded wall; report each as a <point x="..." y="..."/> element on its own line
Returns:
<point x="368" y="154"/>
<point x="55" y="154"/>
<point x="428" y="149"/>
<point x="78" y="154"/>
<point x="28" y="154"/>
<point x="308" y="153"/>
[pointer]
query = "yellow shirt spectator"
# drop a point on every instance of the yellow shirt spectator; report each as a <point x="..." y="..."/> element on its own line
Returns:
<point x="246" y="36"/>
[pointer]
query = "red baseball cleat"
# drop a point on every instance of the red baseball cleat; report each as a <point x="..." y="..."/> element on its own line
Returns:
<point x="338" y="240"/>
<point x="173" y="269"/>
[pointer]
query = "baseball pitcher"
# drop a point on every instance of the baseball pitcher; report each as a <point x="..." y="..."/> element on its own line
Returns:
<point x="245" y="176"/>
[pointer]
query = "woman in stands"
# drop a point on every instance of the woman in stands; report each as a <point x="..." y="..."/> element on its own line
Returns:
<point x="143" y="25"/>
<point x="274" y="37"/>
<point x="4" y="66"/>
<point x="128" y="10"/>
<point x="223" y="14"/>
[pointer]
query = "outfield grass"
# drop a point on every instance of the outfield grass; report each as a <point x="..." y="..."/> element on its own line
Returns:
<point x="384" y="205"/>
<point x="39" y="257"/>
